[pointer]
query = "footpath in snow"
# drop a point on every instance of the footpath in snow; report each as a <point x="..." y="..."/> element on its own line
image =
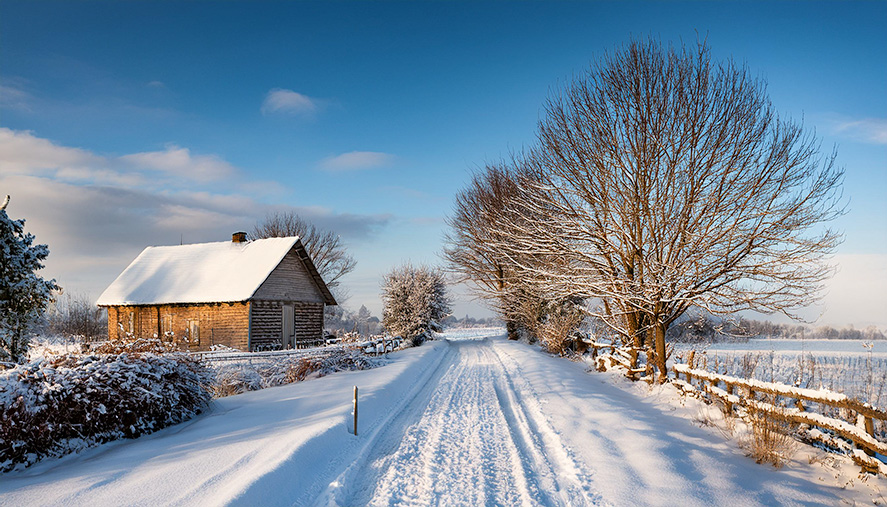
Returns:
<point x="470" y="422"/>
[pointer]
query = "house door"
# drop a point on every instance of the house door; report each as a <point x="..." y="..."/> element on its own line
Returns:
<point x="288" y="340"/>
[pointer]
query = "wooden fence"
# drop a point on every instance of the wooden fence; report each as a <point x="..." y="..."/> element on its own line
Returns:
<point x="856" y="424"/>
<point x="848" y="418"/>
<point x="625" y="357"/>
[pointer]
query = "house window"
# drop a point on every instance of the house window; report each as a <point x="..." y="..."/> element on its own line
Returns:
<point x="194" y="332"/>
<point x="166" y="325"/>
<point x="131" y="324"/>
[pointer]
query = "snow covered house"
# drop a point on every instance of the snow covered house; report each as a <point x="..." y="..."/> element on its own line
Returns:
<point x="250" y="295"/>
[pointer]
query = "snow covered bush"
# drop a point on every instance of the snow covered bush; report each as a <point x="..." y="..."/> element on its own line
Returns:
<point x="131" y="343"/>
<point x="555" y="332"/>
<point x="237" y="378"/>
<point x="23" y="294"/>
<point x="414" y="301"/>
<point x="51" y="407"/>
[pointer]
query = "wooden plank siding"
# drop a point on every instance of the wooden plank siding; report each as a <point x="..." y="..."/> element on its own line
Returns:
<point x="266" y="322"/>
<point x="289" y="281"/>
<point x="219" y="324"/>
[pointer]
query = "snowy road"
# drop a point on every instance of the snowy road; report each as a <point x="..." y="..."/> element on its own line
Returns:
<point x="470" y="422"/>
<point x="475" y="443"/>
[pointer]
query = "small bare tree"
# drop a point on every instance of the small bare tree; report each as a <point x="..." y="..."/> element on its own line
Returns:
<point x="74" y="316"/>
<point x="325" y="247"/>
<point x="473" y="242"/>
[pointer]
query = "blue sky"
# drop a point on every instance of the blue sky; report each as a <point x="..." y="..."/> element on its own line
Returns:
<point x="127" y="124"/>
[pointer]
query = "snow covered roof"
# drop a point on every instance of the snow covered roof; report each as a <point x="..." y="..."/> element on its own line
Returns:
<point x="203" y="273"/>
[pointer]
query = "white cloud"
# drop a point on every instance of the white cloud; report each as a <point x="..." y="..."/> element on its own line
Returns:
<point x="97" y="213"/>
<point x="13" y="97"/>
<point x="155" y="84"/>
<point x="869" y="130"/>
<point x="280" y="100"/>
<point x="355" y="160"/>
<point x="179" y="161"/>
<point x="24" y="153"/>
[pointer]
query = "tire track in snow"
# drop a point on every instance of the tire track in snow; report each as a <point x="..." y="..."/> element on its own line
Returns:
<point x="558" y="465"/>
<point x="472" y="444"/>
<point x="386" y="435"/>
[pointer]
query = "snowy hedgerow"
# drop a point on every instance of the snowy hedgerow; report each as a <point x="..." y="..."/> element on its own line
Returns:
<point x="23" y="294"/>
<point x="236" y="378"/>
<point x="54" y="407"/>
<point x="414" y="301"/>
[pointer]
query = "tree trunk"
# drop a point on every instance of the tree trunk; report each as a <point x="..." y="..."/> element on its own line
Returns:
<point x="659" y="343"/>
<point x="511" y="327"/>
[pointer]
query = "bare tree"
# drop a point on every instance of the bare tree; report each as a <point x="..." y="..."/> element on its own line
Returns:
<point x="75" y="316"/>
<point x="669" y="182"/>
<point x="482" y="250"/>
<point x="474" y="241"/>
<point x="325" y="247"/>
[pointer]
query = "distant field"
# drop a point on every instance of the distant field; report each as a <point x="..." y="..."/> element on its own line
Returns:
<point x="853" y="367"/>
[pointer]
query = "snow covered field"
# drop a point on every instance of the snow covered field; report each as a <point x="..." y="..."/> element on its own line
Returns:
<point x="818" y="347"/>
<point x="854" y="367"/>
<point x="470" y="421"/>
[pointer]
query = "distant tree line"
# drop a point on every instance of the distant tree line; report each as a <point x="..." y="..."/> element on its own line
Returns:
<point x="469" y="322"/>
<point x="701" y="328"/>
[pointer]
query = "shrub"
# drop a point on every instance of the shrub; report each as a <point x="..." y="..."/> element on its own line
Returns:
<point x="769" y="440"/>
<point x="414" y="301"/>
<point x="53" y="407"/>
<point x="239" y="378"/>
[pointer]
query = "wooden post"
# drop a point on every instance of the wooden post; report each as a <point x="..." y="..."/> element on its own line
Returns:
<point x="728" y="405"/>
<point x="355" y="410"/>
<point x="870" y="429"/>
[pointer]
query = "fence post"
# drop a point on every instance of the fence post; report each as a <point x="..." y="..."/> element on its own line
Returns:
<point x="728" y="405"/>
<point x="355" y="410"/>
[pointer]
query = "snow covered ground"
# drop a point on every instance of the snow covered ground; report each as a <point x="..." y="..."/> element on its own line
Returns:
<point x="479" y="421"/>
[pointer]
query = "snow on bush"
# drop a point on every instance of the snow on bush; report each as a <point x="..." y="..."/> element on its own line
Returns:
<point x="414" y="302"/>
<point x="54" y="406"/>
<point x="240" y="377"/>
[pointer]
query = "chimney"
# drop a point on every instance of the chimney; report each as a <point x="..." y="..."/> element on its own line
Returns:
<point x="238" y="237"/>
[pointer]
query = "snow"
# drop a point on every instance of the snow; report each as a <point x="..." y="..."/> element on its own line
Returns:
<point x="199" y="273"/>
<point x="480" y="421"/>
<point x="820" y="347"/>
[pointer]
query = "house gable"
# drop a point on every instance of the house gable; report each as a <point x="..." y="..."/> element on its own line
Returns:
<point x="290" y="281"/>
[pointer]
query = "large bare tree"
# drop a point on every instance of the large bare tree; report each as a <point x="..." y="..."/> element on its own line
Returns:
<point x="325" y="247"/>
<point x="667" y="181"/>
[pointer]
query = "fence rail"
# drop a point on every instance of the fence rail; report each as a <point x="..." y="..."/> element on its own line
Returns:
<point x="858" y="427"/>
<point x="625" y="357"/>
